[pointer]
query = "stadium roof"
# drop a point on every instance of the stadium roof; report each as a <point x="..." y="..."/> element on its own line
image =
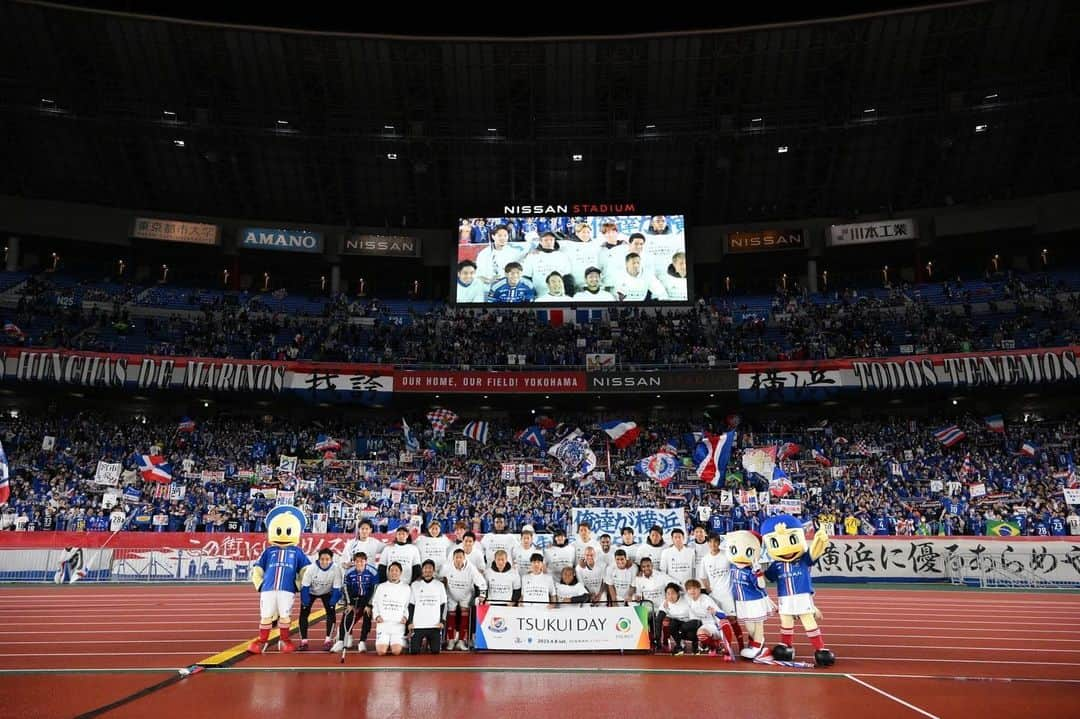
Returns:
<point x="898" y="110"/>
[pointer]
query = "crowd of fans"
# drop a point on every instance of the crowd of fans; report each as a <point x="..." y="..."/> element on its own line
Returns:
<point x="1013" y="312"/>
<point x="888" y="476"/>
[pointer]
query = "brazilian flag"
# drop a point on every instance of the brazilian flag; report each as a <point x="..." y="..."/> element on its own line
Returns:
<point x="998" y="528"/>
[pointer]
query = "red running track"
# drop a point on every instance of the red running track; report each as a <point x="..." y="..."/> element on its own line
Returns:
<point x="907" y="652"/>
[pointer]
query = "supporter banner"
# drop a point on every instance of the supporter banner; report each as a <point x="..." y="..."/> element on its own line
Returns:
<point x="317" y="381"/>
<point x="382" y="245"/>
<point x="613" y="519"/>
<point x="193" y="233"/>
<point x="765" y="241"/>
<point x="567" y="628"/>
<point x="494" y="382"/>
<point x="595" y="362"/>
<point x="861" y="233"/>
<point x="907" y="558"/>
<point x="108" y="473"/>
<point x="700" y="380"/>
<point x="804" y="381"/>
<point x="285" y="240"/>
<point x="1072" y="496"/>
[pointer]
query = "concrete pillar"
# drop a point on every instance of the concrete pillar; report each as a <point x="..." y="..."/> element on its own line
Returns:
<point x="335" y="279"/>
<point x="12" y="263"/>
<point x="811" y="275"/>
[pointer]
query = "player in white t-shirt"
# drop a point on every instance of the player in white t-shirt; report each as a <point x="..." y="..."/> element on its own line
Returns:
<point x="537" y="586"/>
<point x="497" y="539"/>
<point x="584" y="539"/>
<point x="650" y="586"/>
<point x="474" y="552"/>
<point x="504" y="584"/>
<point x="491" y="262"/>
<point x="522" y="552"/>
<point x="362" y="542"/>
<point x="677" y="561"/>
<point x="427" y="606"/>
<point x="619" y="579"/>
<point x="591" y="573"/>
<point x="322" y="582"/>
<point x="404" y="553"/>
<point x="463" y="582"/>
<point x="714" y="633"/>
<point x="592" y="290"/>
<point x="559" y="554"/>
<point x="390" y="605"/>
<point x="434" y="546"/>
<point x="470" y="290"/>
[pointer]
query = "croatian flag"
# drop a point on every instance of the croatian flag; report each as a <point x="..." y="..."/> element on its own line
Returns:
<point x="712" y="455"/>
<point x="622" y="433"/>
<point x="820" y="457"/>
<point x="534" y="436"/>
<point x="5" y="487"/>
<point x="154" y="468"/>
<point x="995" y="423"/>
<point x="187" y="424"/>
<point x="1029" y="449"/>
<point x="950" y="435"/>
<point x="477" y="431"/>
<point x="325" y="443"/>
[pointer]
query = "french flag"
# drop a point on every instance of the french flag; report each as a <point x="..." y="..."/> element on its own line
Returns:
<point x="995" y="423"/>
<point x="712" y="455"/>
<point x="534" y="436"/>
<point x="622" y="433"/>
<point x="555" y="318"/>
<point x="1029" y="449"/>
<point x="950" y="435"/>
<point x="477" y="431"/>
<point x="820" y="457"/>
<point x="154" y="468"/>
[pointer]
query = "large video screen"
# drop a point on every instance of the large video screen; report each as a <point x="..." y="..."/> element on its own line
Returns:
<point x="571" y="260"/>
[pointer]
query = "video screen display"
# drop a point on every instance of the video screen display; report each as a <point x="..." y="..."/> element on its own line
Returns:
<point x="571" y="260"/>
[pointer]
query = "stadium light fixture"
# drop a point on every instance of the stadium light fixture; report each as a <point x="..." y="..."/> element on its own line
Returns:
<point x="755" y="119"/>
<point x="533" y="411"/>
<point x="577" y="158"/>
<point x="179" y="143"/>
<point x="782" y="149"/>
<point x="388" y="128"/>
<point x="391" y="156"/>
<point x="991" y="96"/>
<point x="869" y="110"/>
<point x="168" y="113"/>
<point x="981" y="128"/>
<point x="283" y="122"/>
<point x="492" y="129"/>
<point x="650" y="127"/>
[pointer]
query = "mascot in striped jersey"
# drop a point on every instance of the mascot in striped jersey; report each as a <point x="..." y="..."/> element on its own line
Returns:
<point x="278" y="575"/>
<point x="784" y="541"/>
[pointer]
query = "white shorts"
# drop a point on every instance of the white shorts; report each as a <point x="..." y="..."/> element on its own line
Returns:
<point x="712" y="629"/>
<point x="388" y="633"/>
<point x="275" y="604"/>
<point x="754" y="610"/>
<point x="726" y="602"/>
<point x="453" y="603"/>
<point x="796" y="604"/>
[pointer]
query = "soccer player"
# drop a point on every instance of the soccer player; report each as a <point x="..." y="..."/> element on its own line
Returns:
<point x="522" y="552"/>
<point x="583" y="253"/>
<point x="321" y="581"/>
<point x="537" y="586"/>
<point x="358" y="588"/>
<point x="556" y="289"/>
<point x="713" y="632"/>
<point x="493" y="259"/>
<point x="630" y="544"/>
<point x="544" y="260"/>
<point x="700" y="544"/>
<point x="678" y="561"/>
<point x="653" y="547"/>
<point x="390" y="605"/>
<point x="362" y="542"/>
<point x="513" y="288"/>
<point x="649" y="586"/>
<point x="674" y="279"/>
<point x="570" y="589"/>
<point x="674" y="614"/>
<point x="584" y="540"/>
<point x="404" y="552"/>
<point x="605" y="557"/>
<point x="619" y="579"/>
<point x="591" y="573"/>
<point x="559" y="554"/>
<point x="714" y="571"/>
<point x="469" y="288"/>
<point x="435" y="546"/>
<point x="427" y="606"/>
<point x="498" y="538"/>
<point x="637" y="284"/>
<point x="463" y="581"/>
<point x="504" y="584"/>
<point x="592" y="291"/>
<point x="474" y="552"/>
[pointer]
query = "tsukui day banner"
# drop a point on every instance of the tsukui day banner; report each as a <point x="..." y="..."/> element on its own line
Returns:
<point x="566" y="628"/>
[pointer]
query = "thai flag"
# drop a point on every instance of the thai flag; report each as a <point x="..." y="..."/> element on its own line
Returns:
<point x="712" y="455"/>
<point x="950" y="435"/>
<point x="440" y="484"/>
<point x="534" y="436"/>
<point x="780" y="485"/>
<point x="325" y="443"/>
<point x="5" y="486"/>
<point x="968" y="467"/>
<point x="995" y="423"/>
<point x="154" y="468"/>
<point x="820" y="457"/>
<point x="1029" y="449"/>
<point x="622" y="433"/>
<point x="477" y="431"/>
<point x="187" y="424"/>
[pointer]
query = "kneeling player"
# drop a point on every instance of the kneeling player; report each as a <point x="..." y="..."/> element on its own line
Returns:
<point x="390" y="605"/>
<point x="715" y="632"/>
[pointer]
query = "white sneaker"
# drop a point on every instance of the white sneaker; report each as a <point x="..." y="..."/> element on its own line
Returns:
<point x="348" y="641"/>
<point x="338" y="646"/>
<point x="462" y="645"/>
<point x="361" y="646"/>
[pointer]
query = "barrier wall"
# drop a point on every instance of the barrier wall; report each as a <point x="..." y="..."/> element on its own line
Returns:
<point x="223" y="557"/>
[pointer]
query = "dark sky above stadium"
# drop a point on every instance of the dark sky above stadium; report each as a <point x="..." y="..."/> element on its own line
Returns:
<point x="496" y="19"/>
